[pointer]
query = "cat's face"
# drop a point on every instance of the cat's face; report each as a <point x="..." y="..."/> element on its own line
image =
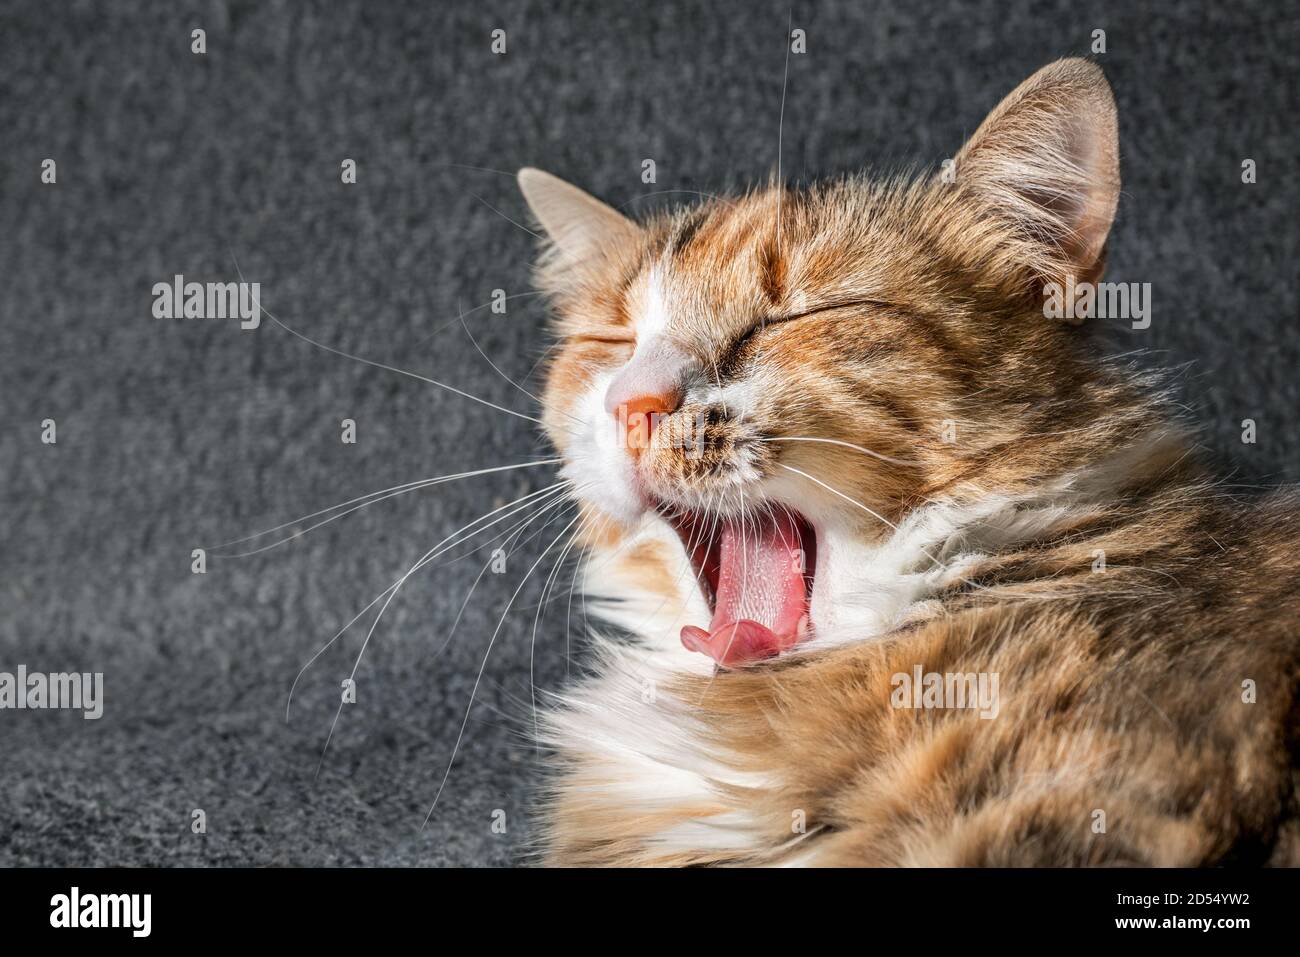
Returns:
<point x="781" y="376"/>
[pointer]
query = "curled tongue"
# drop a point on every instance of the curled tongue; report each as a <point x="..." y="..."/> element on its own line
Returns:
<point x="761" y="598"/>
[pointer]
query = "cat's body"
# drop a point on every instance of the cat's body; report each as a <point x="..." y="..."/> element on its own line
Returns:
<point x="1121" y="692"/>
<point x="873" y="388"/>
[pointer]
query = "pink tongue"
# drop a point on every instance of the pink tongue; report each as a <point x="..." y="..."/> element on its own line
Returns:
<point x="761" y="597"/>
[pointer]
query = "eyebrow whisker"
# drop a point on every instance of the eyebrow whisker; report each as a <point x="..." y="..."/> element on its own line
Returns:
<point x="382" y="365"/>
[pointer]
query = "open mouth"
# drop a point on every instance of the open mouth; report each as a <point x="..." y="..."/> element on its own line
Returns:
<point x="757" y="576"/>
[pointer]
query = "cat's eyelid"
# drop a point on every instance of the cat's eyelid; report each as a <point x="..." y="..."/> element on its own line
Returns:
<point x="765" y="322"/>
<point x="631" y="339"/>
<point x="827" y="307"/>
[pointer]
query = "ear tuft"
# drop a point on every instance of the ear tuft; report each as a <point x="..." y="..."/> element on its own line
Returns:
<point x="581" y="227"/>
<point x="1046" y="161"/>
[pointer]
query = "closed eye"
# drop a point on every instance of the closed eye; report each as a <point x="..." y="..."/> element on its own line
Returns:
<point x="832" y="306"/>
<point x="768" y="322"/>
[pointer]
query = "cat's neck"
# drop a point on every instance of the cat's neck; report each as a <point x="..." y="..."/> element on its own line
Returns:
<point x="939" y="546"/>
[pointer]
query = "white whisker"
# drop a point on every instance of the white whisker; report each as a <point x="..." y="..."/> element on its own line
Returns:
<point x="833" y="491"/>
<point x="511" y="533"/>
<point x="521" y="504"/>
<point x="479" y="678"/>
<point x="385" y="366"/>
<point x="847" y="445"/>
<point x="503" y="215"/>
<point x="495" y="369"/>
<point x="370" y="498"/>
<point x="392" y="593"/>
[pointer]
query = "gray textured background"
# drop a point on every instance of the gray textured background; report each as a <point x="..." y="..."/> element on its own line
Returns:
<point x="177" y="434"/>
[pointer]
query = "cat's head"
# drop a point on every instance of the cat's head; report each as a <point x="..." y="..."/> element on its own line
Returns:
<point x="782" y="376"/>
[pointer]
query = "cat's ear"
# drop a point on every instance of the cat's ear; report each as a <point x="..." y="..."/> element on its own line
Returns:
<point x="580" y="227"/>
<point x="1046" y="161"/>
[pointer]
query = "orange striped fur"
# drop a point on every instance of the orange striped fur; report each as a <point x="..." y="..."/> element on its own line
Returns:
<point x="997" y="499"/>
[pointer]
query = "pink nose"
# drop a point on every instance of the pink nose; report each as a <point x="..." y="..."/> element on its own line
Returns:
<point x="638" y="416"/>
<point x="647" y="387"/>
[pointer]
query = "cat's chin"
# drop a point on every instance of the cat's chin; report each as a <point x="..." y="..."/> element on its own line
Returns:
<point x="756" y="573"/>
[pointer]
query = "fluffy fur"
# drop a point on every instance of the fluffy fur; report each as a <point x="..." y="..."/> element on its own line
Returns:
<point x="987" y="496"/>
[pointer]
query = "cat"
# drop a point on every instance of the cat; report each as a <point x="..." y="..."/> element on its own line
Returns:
<point x="834" y="463"/>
